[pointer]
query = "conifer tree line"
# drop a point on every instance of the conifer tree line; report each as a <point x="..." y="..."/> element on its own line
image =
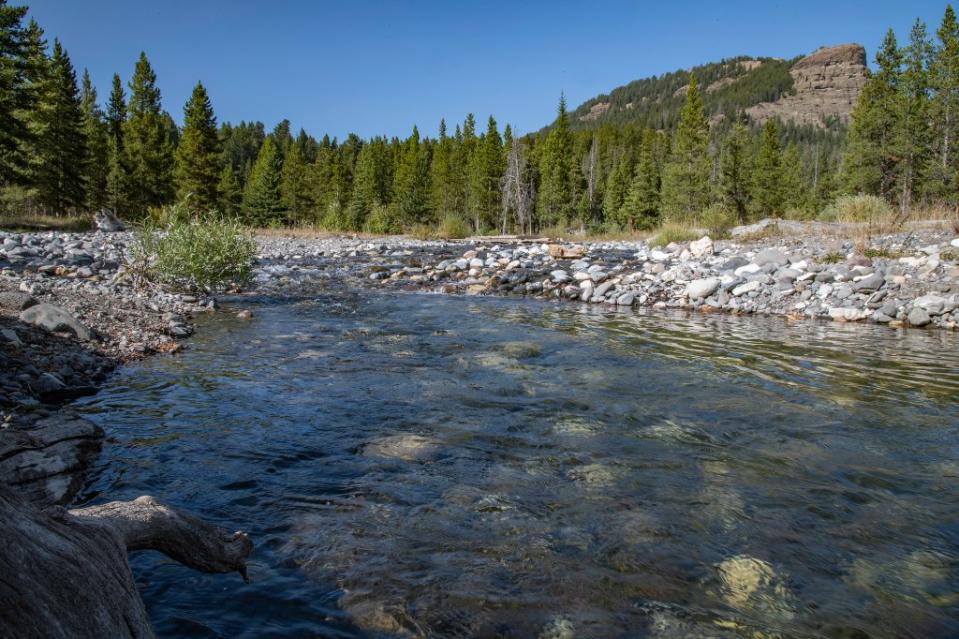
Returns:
<point x="63" y="151"/>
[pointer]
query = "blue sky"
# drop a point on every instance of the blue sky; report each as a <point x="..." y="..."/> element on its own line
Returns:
<point x="380" y="67"/>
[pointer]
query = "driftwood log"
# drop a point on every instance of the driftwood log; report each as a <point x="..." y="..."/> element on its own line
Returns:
<point x="64" y="573"/>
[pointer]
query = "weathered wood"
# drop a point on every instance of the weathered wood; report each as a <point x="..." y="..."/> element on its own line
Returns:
<point x="146" y="524"/>
<point x="65" y="573"/>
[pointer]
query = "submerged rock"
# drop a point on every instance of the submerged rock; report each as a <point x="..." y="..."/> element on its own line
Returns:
<point x="405" y="447"/>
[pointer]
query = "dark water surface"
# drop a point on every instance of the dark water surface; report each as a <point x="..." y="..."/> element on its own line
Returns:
<point x="466" y="467"/>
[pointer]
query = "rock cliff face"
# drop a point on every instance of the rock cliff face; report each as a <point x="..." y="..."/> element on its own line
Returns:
<point x="827" y="84"/>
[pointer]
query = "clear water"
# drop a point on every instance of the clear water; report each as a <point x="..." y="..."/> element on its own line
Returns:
<point x="432" y="466"/>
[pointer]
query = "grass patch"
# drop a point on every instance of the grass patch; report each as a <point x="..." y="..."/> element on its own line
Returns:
<point x="63" y="224"/>
<point x="452" y="227"/>
<point x="832" y="258"/>
<point x="674" y="232"/>
<point x="949" y="256"/>
<point x="882" y="253"/>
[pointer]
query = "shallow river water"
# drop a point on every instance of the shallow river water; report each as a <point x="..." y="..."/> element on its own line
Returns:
<point x="433" y="466"/>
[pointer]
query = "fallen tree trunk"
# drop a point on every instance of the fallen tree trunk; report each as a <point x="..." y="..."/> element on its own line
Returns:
<point x="65" y="573"/>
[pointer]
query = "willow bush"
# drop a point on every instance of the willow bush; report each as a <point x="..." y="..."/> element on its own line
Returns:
<point x="187" y="250"/>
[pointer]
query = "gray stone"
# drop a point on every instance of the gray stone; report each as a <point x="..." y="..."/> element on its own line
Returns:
<point x="47" y="383"/>
<point x="918" y="317"/>
<point x="54" y="318"/>
<point x="748" y="287"/>
<point x="559" y="276"/>
<point x="771" y="256"/>
<point x="733" y="263"/>
<point x="108" y="222"/>
<point x="603" y="288"/>
<point x="932" y="304"/>
<point x="702" y="288"/>
<point x="870" y="283"/>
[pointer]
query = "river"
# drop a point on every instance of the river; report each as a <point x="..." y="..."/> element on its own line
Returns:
<point x="473" y="467"/>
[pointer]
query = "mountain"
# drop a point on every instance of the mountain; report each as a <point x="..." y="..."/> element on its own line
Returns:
<point x="817" y="90"/>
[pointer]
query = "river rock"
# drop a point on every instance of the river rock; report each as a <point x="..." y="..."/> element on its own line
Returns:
<point x="701" y="247"/>
<point x="702" y="288"/>
<point x="932" y="304"/>
<point x="847" y="314"/>
<point x="748" y="287"/>
<point x="107" y="222"/>
<point x="405" y="447"/>
<point x="870" y="283"/>
<point x="771" y="256"/>
<point x="918" y="317"/>
<point x="954" y="243"/>
<point x="53" y="318"/>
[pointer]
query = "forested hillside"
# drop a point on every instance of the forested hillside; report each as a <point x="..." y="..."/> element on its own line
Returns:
<point x="734" y="140"/>
<point x="729" y="88"/>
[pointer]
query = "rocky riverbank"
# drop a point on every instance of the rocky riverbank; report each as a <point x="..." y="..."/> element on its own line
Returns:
<point x="69" y="314"/>
<point x="901" y="279"/>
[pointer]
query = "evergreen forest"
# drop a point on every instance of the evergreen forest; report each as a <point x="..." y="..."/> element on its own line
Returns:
<point x="65" y="150"/>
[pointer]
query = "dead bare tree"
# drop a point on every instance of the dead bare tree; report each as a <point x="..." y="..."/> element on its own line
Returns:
<point x="590" y="171"/>
<point x="519" y="190"/>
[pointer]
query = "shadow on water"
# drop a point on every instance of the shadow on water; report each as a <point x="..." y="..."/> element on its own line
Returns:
<point x="432" y="466"/>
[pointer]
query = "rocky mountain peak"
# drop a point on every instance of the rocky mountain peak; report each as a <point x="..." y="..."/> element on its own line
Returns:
<point x="827" y="83"/>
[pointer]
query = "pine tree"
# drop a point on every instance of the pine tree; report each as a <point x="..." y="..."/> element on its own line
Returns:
<point x="870" y="164"/>
<point x="116" y="115"/>
<point x="261" y="197"/>
<point x="228" y="189"/>
<point x="62" y="145"/>
<point x="411" y="201"/>
<point x="794" y="193"/>
<point x="485" y="172"/>
<point x="37" y="79"/>
<point x="943" y="168"/>
<point x="94" y="130"/>
<point x="735" y="176"/>
<point x="442" y="180"/>
<point x="148" y="151"/>
<point x="617" y="187"/>
<point x="554" y="204"/>
<point x="198" y="158"/>
<point x="15" y="98"/>
<point x="685" y="189"/>
<point x="466" y="144"/>
<point x="913" y="132"/>
<point x="295" y="192"/>
<point x="767" y="190"/>
<point x="117" y="175"/>
<point x="641" y="207"/>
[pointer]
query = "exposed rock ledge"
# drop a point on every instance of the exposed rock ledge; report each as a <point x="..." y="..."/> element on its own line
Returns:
<point x="827" y="84"/>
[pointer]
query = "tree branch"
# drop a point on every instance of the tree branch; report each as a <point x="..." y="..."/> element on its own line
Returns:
<point x="146" y="524"/>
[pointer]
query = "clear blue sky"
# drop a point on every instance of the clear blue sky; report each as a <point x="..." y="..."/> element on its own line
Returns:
<point x="379" y="67"/>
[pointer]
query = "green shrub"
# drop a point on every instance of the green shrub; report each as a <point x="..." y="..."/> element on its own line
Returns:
<point x="193" y="252"/>
<point x="848" y="209"/>
<point x="453" y="227"/>
<point x="421" y="232"/>
<point x="380" y="221"/>
<point x="718" y="220"/>
<point x="673" y="232"/>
